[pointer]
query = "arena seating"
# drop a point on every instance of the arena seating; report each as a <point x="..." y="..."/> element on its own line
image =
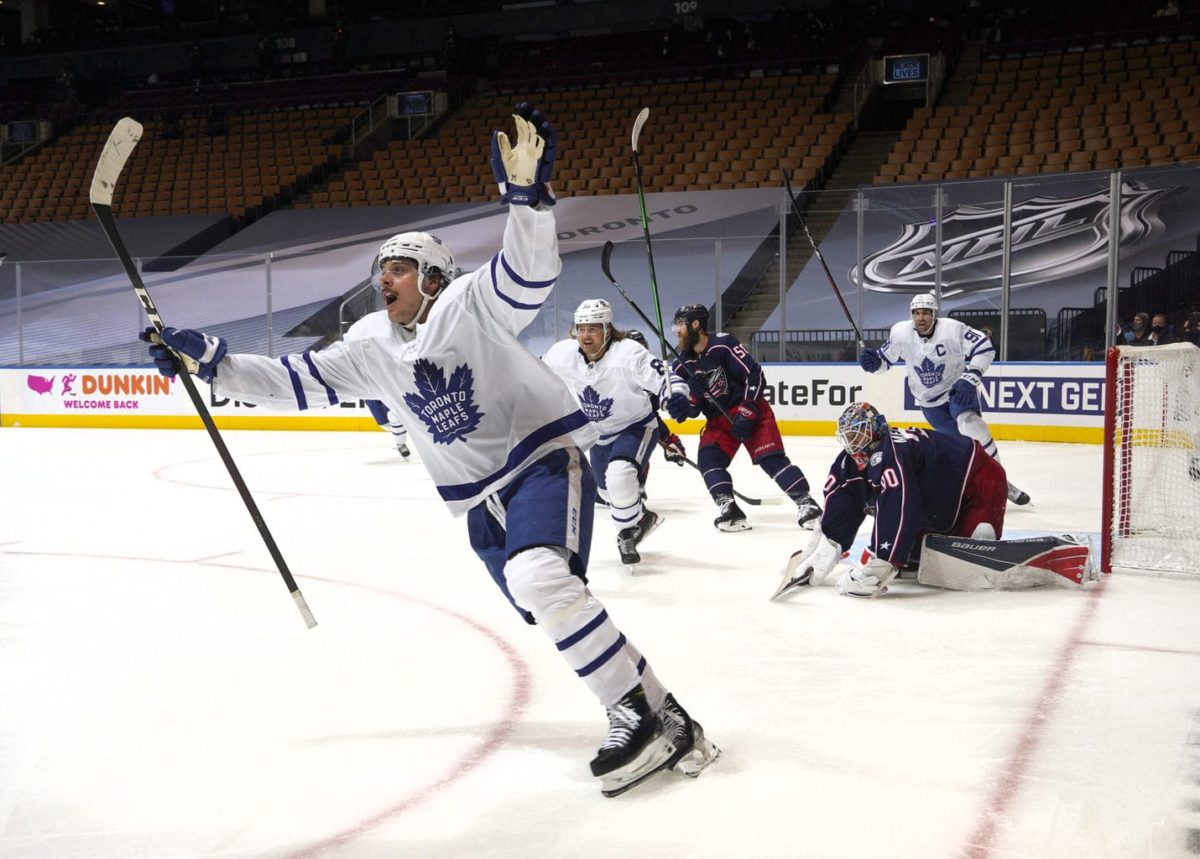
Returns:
<point x="1068" y="111"/>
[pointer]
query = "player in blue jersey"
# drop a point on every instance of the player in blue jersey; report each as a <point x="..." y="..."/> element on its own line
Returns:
<point x="945" y="360"/>
<point x="914" y="481"/>
<point x="715" y="376"/>
<point x="499" y="433"/>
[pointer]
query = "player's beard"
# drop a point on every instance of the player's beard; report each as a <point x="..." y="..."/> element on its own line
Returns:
<point x="687" y="343"/>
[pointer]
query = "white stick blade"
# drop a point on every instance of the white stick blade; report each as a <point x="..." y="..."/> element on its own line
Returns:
<point x="125" y="136"/>
<point x="637" y="125"/>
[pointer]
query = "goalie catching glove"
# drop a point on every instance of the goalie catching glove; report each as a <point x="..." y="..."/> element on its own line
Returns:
<point x="199" y="353"/>
<point x="523" y="171"/>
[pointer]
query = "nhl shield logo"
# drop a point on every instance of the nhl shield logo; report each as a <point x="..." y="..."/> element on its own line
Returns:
<point x="1052" y="238"/>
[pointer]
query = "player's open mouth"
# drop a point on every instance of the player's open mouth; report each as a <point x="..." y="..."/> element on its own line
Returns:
<point x="389" y="297"/>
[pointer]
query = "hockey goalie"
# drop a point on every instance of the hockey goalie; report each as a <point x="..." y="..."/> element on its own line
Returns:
<point x="938" y="502"/>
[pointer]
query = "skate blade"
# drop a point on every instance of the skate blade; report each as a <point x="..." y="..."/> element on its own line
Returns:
<point x="654" y="757"/>
<point x="696" y="759"/>
<point x="731" y="527"/>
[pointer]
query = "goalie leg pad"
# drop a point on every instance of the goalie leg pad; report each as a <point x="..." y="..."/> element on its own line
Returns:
<point x="964" y="564"/>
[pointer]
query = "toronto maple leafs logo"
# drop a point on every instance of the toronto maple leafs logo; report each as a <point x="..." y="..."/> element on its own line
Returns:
<point x="448" y="410"/>
<point x="930" y="373"/>
<point x="597" y="408"/>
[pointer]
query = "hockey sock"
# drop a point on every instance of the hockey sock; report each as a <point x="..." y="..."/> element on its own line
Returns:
<point x="655" y="693"/>
<point x="624" y="498"/>
<point x="714" y="466"/>
<point x="971" y="425"/>
<point x="786" y="474"/>
<point x="541" y="582"/>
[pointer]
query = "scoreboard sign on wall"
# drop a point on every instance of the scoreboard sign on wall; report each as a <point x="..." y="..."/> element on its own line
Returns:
<point x="1035" y="402"/>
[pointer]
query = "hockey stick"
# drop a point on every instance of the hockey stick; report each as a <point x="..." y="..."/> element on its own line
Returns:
<point x="637" y="169"/>
<point x="753" y="501"/>
<point x="121" y="142"/>
<point x="787" y="184"/>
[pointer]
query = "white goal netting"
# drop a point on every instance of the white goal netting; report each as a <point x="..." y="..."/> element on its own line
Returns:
<point x="1152" y="459"/>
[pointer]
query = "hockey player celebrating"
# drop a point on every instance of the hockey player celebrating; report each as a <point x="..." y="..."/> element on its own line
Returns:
<point x="915" y="483"/>
<point x="500" y="435"/>
<point x="374" y="324"/>
<point x="715" y="376"/>
<point x="946" y="361"/>
<point x="615" y="380"/>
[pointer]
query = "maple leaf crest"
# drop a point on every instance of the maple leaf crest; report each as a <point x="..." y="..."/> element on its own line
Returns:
<point x="595" y="407"/>
<point x="448" y="410"/>
<point x="930" y="373"/>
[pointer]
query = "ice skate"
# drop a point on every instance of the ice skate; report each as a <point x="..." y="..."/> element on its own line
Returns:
<point x="629" y="538"/>
<point x="809" y="512"/>
<point x="693" y="751"/>
<point x="1016" y="496"/>
<point x="635" y="748"/>
<point x="731" y="517"/>
<point x="402" y="449"/>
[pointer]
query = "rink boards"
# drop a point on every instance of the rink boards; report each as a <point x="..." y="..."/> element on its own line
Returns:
<point x="1028" y="401"/>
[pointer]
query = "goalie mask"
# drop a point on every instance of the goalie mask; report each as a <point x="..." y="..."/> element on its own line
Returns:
<point x="434" y="262"/>
<point x="860" y="431"/>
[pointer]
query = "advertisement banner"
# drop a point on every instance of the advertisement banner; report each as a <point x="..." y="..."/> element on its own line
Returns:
<point x="1034" y="402"/>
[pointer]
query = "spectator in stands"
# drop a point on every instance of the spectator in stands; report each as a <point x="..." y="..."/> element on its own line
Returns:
<point x="1140" y="330"/>
<point x="1160" y="332"/>
<point x="1191" y="329"/>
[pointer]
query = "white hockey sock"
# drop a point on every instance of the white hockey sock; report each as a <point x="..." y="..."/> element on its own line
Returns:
<point x="541" y="582"/>
<point x="971" y="425"/>
<point x="624" y="499"/>
<point x="655" y="693"/>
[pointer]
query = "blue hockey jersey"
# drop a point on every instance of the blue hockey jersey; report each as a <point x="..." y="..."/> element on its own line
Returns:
<point x="731" y="375"/>
<point x="915" y="481"/>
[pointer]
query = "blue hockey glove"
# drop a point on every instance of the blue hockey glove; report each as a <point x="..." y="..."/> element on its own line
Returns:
<point x="203" y="350"/>
<point x="522" y="171"/>
<point x="869" y="360"/>
<point x="743" y="420"/>
<point x="673" y="450"/>
<point x="679" y="407"/>
<point x="964" y="393"/>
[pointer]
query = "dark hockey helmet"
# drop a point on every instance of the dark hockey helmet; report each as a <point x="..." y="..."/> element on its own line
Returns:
<point x="689" y="312"/>
<point x="860" y="431"/>
<point x="637" y="337"/>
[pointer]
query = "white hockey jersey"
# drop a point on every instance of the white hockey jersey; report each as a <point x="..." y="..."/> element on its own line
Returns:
<point x="478" y="406"/>
<point x="614" y="391"/>
<point x="935" y="363"/>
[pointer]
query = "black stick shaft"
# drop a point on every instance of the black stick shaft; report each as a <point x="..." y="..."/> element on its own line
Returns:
<point x="109" y="226"/>
<point x="787" y="184"/>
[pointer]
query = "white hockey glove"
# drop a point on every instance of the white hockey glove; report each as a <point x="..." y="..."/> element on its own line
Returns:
<point x="523" y="171"/>
<point x="811" y="564"/>
<point x="870" y="580"/>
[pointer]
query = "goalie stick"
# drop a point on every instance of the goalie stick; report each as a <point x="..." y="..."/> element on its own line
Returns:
<point x="787" y="184"/>
<point x="642" y="116"/>
<point x="117" y="149"/>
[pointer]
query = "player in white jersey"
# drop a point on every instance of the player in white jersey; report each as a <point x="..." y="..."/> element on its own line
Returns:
<point x="371" y="325"/>
<point x="946" y="361"/>
<point x="614" y="379"/>
<point x="499" y="433"/>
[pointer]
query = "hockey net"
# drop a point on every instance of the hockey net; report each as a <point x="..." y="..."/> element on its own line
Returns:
<point x="1152" y="460"/>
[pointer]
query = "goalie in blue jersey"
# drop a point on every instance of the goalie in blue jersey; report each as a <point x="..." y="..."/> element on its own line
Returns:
<point x="500" y="434"/>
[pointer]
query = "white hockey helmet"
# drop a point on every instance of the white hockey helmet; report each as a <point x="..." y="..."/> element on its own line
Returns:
<point x="594" y="311"/>
<point x="431" y="256"/>
<point x="924" y="301"/>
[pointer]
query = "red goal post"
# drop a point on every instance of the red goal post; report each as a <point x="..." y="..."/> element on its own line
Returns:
<point x="1152" y="460"/>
